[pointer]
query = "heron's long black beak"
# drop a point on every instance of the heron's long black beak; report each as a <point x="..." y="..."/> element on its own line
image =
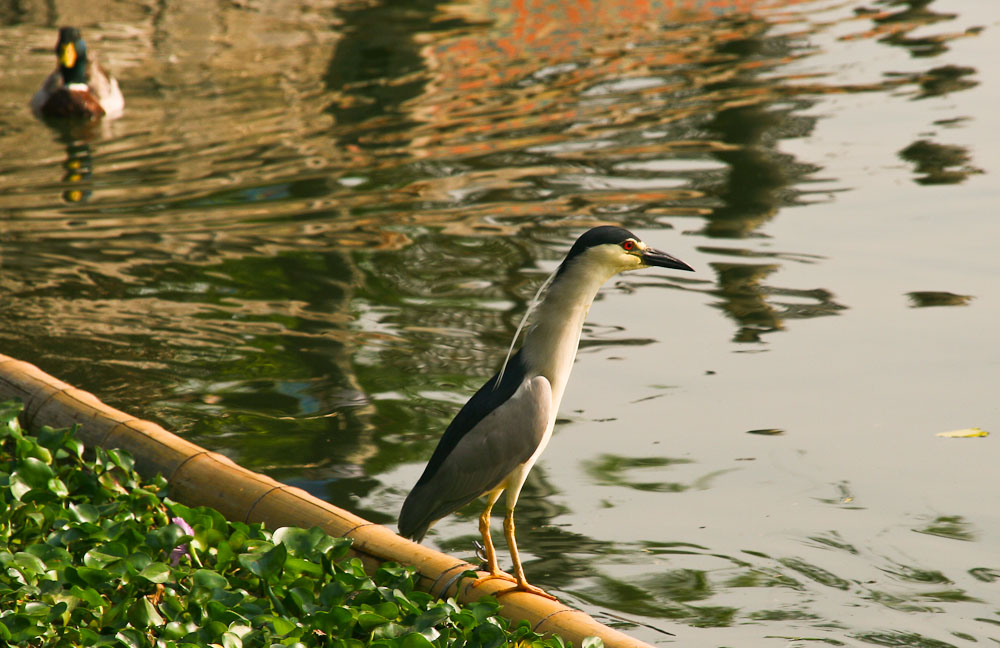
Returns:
<point x="653" y="257"/>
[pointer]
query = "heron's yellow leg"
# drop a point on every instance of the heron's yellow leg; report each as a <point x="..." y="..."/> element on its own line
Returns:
<point x="522" y="582"/>
<point x="492" y="566"/>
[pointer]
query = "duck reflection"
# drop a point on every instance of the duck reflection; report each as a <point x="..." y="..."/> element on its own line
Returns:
<point x="79" y="167"/>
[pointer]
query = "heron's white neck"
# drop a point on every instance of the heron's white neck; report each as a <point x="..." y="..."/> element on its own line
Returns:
<point x="551" y="343"/>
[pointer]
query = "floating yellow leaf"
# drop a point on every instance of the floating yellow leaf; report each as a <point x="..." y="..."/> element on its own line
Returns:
<point x="964" y="434"/>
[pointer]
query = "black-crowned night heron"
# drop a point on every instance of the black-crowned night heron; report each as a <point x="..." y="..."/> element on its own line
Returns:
<point x="498" y="435"/>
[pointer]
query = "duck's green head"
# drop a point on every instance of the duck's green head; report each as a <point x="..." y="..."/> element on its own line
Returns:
<point x="72" y="54"/>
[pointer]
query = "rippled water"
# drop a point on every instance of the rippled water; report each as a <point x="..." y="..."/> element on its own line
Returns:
<point x="314" y="230"/>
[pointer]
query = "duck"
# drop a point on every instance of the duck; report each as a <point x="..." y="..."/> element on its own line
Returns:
<point x="79" y="87"/>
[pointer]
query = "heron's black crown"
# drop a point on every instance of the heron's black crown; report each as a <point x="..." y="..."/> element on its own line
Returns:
<point x="602" y="235"/>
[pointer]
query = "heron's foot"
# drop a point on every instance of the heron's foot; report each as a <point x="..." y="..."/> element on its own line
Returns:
<point x="524" y="586"/>
<point x="494" y="575"/>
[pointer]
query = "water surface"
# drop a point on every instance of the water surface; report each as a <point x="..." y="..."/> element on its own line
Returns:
<point x="312" y="234"/>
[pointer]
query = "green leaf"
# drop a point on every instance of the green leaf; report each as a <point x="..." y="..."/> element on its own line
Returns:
<point x="336" y="621"/>
<point x="51" y="438"/>
<point x="282" y="626"/>
<point x="36" y="609"/>
<point x="302" y="599"/>
<point x="87" y="595"/>
<point x="224" y="556"/>
<point x="229" y="598"/>
<point x="299" y="567"/>
<point x="302" y="543"/>
<point x="137" y="562"/>
<point x="220" y="612"/>
<point x="121" y="458"/>
<point x="53" y="557"/>
<point x="237" y="539"/>
<point x="167" y="537"/>
<point x="34" y="472"/>
<point x="391" y="630"/>
<point x="28" y="564"/>
<point x="21" y="628"/>
<point x="592" y="642"/>
<point x="393" y="575"/>
<point x="57" y="487"/>
<point x="113" y="613"/>
<point x="103" y="555"/>
<point x="406" y="606"/>
<point x="488" y="635"/>
<point x="87" y="576"/>
<point x="174" y="630"/>
<point x="75" y="448"/>
<point x="28" y="447"/>
<point x="431" y="617"/>
<point x="416" y="640"/>
<point x="157" y="572"/>
<point x="9" y="411"/>
<point x="84" y="512"/>
<point x="230" y="640"/>
<point x="209" y="579"/>
<point x="18" y="487"/>
<point x="388" y="609"/>
<point x="132" y="638"/>
<point x="214" y="630"/>
<point x="369" y="620"/>
<point x="58" y="612"/>
<point x="144" y="615"/>
<point x="266" y="564"/>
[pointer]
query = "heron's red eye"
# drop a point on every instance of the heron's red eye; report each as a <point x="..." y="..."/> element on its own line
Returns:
<point x="628" y="245"/>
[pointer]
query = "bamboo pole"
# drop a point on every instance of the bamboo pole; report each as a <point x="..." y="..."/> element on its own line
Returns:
<point x="199" y="477"/>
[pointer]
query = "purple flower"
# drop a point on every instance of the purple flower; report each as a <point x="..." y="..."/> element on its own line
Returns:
<point x="180" y="550"/>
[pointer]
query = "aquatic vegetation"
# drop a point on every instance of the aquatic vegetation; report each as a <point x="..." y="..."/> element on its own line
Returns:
<point x="93" y="555"/>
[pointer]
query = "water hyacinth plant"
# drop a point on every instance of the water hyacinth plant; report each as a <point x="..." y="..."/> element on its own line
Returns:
<point x="93" y="555"/>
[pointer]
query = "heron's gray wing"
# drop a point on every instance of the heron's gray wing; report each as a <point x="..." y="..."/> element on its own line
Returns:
<point x="501" y="441"/>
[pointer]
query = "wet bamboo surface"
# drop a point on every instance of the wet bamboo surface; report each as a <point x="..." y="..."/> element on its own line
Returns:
<point x="199" y="477"/>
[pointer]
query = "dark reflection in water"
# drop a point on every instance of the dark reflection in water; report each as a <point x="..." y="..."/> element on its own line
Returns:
<point x="938" y="163"/>
<point x="946" y="79"/>
<point x="759" y="308"/>
<point x="79" y="167"/>
<point x="609" y="470"/>
<point x="315" y="230"/>
<point x="925" y="298"/>
<point x="949" y="526"/>
<point x="377" y="44"/>
<point x="758" y="177"/>
<point x="895" y="23"/>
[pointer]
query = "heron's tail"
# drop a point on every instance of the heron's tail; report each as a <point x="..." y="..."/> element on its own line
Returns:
<point x="414" y="520"/>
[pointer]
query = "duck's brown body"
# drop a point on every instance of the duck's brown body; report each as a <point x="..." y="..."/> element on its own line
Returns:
<point x="79" y="87"/>
<point x="64" y="102"/>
